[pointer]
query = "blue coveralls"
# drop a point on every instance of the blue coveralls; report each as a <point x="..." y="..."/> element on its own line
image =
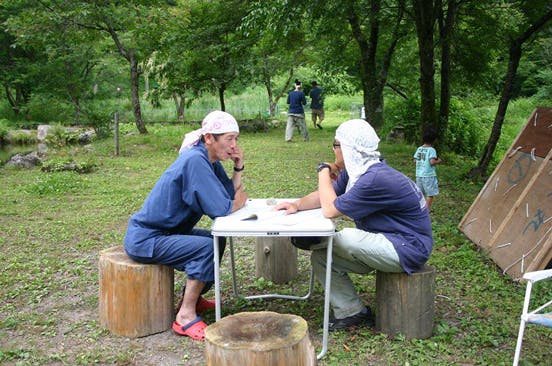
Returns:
<point x="163" y="232"/>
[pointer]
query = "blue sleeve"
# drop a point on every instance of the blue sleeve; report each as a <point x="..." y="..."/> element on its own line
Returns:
<point x="432" y="153"/>
<point x="288" y="101"/>
<point x="209" y="191"/>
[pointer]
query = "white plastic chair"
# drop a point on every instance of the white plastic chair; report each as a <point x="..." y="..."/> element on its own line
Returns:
<point x="539" y="315"/>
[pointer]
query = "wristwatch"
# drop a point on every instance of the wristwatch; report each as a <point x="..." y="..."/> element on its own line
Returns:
<point x="322" y="166"/>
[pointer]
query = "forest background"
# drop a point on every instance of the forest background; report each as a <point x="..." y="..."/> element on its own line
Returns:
<point x="411" y="63"/>
<point x="162" y="65"/>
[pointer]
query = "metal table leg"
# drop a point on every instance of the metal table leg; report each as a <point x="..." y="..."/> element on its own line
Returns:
<point x="327" y="298"/>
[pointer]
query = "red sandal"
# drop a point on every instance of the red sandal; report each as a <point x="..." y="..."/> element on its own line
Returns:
<point x="194" y="329"/>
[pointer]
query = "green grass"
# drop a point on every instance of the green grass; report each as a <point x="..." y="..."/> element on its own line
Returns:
<point x="54" y="225"/>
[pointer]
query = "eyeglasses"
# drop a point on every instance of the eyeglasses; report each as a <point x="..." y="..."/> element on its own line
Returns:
<point x="336" y="145"/>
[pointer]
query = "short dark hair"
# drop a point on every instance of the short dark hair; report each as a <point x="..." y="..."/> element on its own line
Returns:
<point x="430" y="135"/>
<point x="314" y="83"/>
<point x="215" y="135"/>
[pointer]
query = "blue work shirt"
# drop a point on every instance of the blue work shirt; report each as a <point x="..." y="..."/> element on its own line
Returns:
<point x="383" y="200"/>
<point x="316" y="98"/>
<point x="296" y="100"/>
<point x="190" y="188"/>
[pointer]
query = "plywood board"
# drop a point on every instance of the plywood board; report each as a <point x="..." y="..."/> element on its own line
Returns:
<point x="498" y="196"/>
<point x="510" y="179"/>
<point x="524" y="237"/>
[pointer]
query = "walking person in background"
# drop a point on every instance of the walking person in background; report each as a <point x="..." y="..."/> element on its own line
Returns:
<point x="296" y="114"/>
<point x="426" y="159"/>
<point x="196" y="184"/>
<point x="317" y="104"/>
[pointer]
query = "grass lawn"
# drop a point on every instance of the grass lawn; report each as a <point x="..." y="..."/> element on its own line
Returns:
<point x="53" y="226"/>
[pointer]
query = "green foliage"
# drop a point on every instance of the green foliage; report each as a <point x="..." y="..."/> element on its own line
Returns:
<point x="60" y="135"/>
<point x="4" y="129"/>
<point x="44" y="109"/>
<point x="20" y="137"/>
<point x="59" y="165"/>
<point x="465" y="134"/>
<point x="100" y="117"/>
<point x="57" y="184"/>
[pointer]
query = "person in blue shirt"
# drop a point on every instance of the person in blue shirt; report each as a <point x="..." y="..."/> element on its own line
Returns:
<point x="392" y="230"/>
<point x="317" y="104"/>
<point x="163" y="231"/>
<point x="426" y="159"/>
<point x="296" y="114"/>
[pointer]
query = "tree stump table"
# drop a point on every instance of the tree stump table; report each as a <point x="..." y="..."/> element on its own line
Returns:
<point x="275" y="259"/>
<point x="405" y="303"/>
<point x="135" y="299"/>
<point x="259" y="339"/>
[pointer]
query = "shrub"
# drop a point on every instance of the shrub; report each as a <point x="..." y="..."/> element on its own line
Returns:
<point x="100" y="118"/>
<point x="4" y="128"/>
<point x="465" y="132"/>
<point x="62" y="136"/>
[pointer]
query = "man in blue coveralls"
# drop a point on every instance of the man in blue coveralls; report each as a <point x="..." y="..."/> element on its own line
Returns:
<point x="196" y="184"/>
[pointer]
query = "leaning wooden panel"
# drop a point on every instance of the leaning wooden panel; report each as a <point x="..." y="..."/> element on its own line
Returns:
<point x="523" y="242"/>
<point x="498" y="196"/>
<point x="509" y="180"/>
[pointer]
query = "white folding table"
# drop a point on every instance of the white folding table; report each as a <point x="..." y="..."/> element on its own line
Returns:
<point x="274" y="223"/>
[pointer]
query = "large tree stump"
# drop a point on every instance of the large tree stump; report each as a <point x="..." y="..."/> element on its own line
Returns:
<point x="259" y="339"/>
<point x="405" y="303"/>
<point x="135" y="299"/>
<point x="276" y="259"/>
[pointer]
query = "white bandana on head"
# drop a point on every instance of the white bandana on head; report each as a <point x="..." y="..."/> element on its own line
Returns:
<point x="215" y="122"/>
<point x="359" y="146"/>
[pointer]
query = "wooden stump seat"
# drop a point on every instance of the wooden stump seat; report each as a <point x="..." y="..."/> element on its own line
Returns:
<point x="136" y="299"/>
<point x="275" y="259"/>
<point x="259" y="339"/>
<point x="405" y="303"/>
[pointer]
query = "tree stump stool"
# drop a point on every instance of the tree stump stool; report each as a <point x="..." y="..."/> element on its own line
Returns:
<point x="275" y="259"/>
<point x="259" y="339"/>
<point x="405" y="303"/>
<point x="135" y="299"/>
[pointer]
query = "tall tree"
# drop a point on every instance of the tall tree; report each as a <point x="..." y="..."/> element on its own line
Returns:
<point x="447" y="19"/>
<point x="217" y="53"/>
<point x="424" y="16"/>
<point x="279" y="46"/>
<point x="17" y="63"/>
<point x="515" y="52"/>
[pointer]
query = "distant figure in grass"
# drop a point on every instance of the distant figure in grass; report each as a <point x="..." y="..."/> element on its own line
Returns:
<point x="196" y="184"/>
<point x="393" y="228"/>
<point x="296" y="114"/>
<point x="317" y="104"/>
<point x="426" y="159"/>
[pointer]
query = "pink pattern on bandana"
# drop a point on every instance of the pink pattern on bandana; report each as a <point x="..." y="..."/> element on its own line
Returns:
<point x="215" y="122"/>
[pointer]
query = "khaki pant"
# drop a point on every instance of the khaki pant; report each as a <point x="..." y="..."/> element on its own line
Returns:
<point x="296" y="120"/>
<point x="355" y="251"/>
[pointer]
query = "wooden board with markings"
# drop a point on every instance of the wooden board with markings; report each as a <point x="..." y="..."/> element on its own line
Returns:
<point x="511" y="218"/>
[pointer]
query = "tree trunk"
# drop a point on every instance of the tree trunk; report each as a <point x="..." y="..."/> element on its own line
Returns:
<point x="424" y="17"/>
<point x="221" y="90"/>
<point x="373" y="78"/>
<point x="135" y="88"/>
<point x="259" y="339"/>
<point x="12" y="101"/>
<point x="515" y="55"/>
<point x="446" y="28"/>
<point x="134" y="79"/>
<point x="179" y="102"/>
